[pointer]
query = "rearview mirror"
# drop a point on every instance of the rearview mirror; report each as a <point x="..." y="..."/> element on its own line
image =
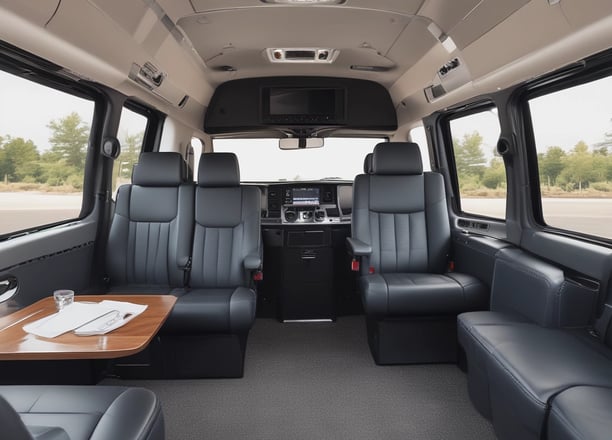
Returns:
<point x="299" y="143"/>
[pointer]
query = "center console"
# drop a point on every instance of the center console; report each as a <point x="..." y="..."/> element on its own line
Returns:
<point x="303" y="230"/>
<point x="304" y="204"/>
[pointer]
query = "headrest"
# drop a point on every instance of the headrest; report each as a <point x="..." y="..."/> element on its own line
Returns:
<point x="159" y="169"/>
<point x="397" y="158"/>
<point x="218" y="170"/>
<point x="367" y="163"/>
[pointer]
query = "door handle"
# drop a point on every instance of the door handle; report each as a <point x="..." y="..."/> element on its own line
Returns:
<point x="8" y="288"/>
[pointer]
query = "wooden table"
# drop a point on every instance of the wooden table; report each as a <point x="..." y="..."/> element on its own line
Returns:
<point x="16" y="344"/>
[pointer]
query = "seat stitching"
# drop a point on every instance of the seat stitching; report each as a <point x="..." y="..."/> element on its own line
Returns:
<point x="565" y="421"/>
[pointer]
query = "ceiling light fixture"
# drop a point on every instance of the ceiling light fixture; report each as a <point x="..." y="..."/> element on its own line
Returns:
<point x="370" y="68"/>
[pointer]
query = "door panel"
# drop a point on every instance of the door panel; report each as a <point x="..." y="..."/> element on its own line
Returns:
<point x="475" y="254"/>
<point x="60" y="257"/>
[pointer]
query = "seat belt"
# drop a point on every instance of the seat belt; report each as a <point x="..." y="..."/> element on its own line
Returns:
<point x="102" y="239"/>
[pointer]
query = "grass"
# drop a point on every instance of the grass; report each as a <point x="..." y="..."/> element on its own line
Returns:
<point x="552" y="192"/>
<point x="38" y="187"/>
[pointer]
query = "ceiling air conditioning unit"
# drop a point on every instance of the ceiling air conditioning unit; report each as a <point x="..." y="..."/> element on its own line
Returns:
<point x="302" y="55"/>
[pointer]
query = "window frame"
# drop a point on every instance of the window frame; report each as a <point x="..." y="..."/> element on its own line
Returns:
<point x="26" y="66"/>
<point x="154" y="127"/>
<point x="480" y="106"/>
<point x="591" y="69"/>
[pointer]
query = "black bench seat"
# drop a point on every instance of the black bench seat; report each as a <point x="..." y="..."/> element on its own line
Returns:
<point x="81" y="413"/>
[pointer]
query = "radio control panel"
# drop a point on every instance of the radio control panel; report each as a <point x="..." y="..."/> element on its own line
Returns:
<point x="302" y="203"/>
<point x="299" y="214"/>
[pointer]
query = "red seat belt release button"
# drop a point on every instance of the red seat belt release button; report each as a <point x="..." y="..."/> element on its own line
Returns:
<point x="355" y="265"/>
<point x="258" y="276"/>
<point x="371" y="270"/>
<point x="451" y="266"/>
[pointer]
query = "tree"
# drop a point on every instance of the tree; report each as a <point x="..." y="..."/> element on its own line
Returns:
<point x="607" y="142"/>
<point x="469" y="157"/>
<point x="551" y="164"/>
<point x="494" y="176"/>
<point x="579" y="168"/>
<point x="130" y="149"/>
<point x="18" y="159"/>
<point x="130" y="152"/>
<point x="69" y="139"/>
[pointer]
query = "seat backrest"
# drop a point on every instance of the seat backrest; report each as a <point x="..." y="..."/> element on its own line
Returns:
<point x="227" y="222"/>
<point x="12" y="425"/>
<point x="401" y="212"/>
<point x="150" y="236"/>
<point x="367" y="163"/>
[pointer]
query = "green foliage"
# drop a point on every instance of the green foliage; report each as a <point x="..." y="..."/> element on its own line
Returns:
<point x="131" y="147"/>
<point x="551" y="164"/>
<point x="69" y="139"/>
<point x="469" y="157"/>
<point x="62" y="165"/>
<point x="495" y="175"/>
<point x="602" y="186"/>
<point x="18" y="159"/>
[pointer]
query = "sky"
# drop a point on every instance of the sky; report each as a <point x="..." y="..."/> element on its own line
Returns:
<point x="21" y="116"/>
<point x="560" y="119"/>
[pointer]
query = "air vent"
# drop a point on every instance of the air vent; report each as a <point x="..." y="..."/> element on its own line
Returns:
<point x="449" y="77"/>
<point x="302" y="55"/>
<point x="274" y="203"/>
<point x="308" y="55"/>
<point x="328" y="196"/>
<point x="451" y="65"/>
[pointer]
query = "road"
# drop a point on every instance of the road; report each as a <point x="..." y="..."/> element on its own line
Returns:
<point x="21" y="210"/>
<point x="592" y="216"/>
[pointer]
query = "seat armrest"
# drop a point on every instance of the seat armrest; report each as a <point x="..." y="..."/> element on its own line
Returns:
<point x="357" y="247"/>
<point x="252" y="262"/>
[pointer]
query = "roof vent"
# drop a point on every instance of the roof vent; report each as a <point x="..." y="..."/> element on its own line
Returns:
<point x="302" y="55"/>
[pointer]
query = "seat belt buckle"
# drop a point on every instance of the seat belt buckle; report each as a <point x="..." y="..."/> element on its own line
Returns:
<point x="258" y="275"/>
<point x="355" y="265"/>
<point x="451" y="266"/>
<point x="371" y="270"/>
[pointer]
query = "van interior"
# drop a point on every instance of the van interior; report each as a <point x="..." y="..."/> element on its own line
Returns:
<point x="378" y="219"/>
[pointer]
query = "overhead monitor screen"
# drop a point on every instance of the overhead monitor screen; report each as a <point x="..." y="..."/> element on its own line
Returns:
<point x="296" y="101"/>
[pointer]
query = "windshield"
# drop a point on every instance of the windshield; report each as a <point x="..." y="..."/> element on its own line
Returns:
<point x="261" y="160"/>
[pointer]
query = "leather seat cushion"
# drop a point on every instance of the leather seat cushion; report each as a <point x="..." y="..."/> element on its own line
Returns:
<point x="213" y="311"/>
<point x="87" y="412"/>
<point x="525" y="366"/>
<point x="581" y="413"/>
<point x="413" y="294"/>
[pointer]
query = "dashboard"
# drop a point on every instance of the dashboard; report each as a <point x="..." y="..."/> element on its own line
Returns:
<point x="303" y="203"/>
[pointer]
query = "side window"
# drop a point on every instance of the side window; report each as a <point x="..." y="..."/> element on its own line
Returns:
<point x="417" y="135"/>
<point x="572" y="129"/>
<point x="481" y="173"/>
<point x="132" y="128"/>
<point x="197" y="148"/>
<point x="44" y="135"/>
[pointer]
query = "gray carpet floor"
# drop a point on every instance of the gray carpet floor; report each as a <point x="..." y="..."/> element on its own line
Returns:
<point x="318" y="381"/>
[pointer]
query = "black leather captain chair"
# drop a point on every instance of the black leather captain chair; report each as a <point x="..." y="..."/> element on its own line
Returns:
<point x="401" y="233"/>
<point x="219" y="308"/>
<point x="149" y="242"/>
